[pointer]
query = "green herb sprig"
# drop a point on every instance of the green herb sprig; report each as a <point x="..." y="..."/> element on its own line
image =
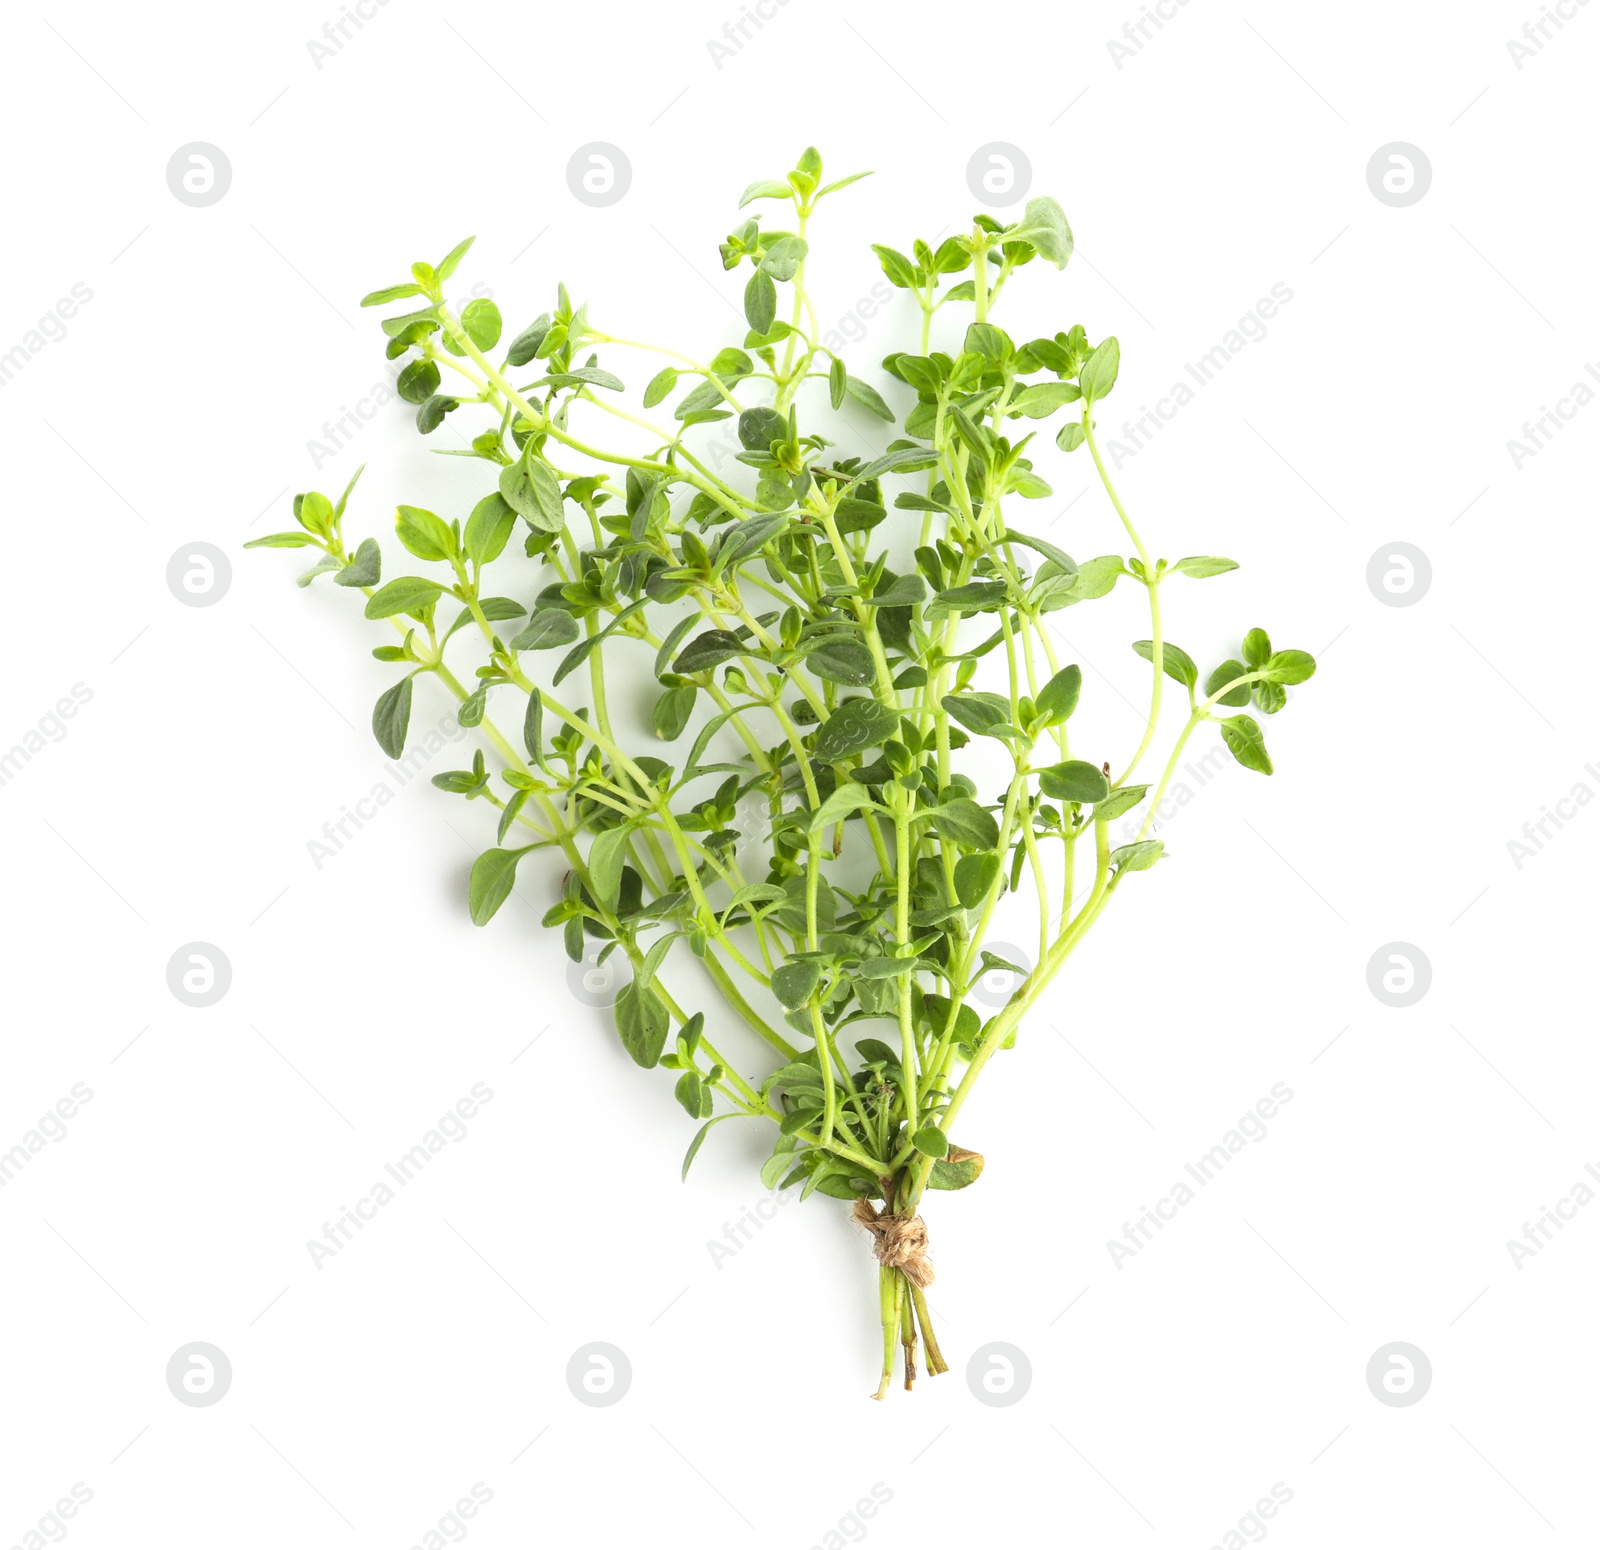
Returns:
<point x="836" y="631"/>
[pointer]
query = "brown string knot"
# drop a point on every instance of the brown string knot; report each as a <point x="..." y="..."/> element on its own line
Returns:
<point x="900" y="1242"/>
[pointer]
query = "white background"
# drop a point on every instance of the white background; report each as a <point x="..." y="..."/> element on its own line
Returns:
<point x="1227" y="154"/>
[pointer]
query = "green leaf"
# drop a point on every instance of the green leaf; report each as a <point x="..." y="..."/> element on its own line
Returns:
<point x="1059" y="698"/>
<point x="548" y="628"/>
<point x="978" y="710"/>
<point x="899" y="460"/>
<point x="391" y="716"/>
<point x="531" y="489"/>
<point x="1175" y="661"/>
<point x="494" y="874"/>
<point x="836" y="383"/>
<point x="760" y="302"/>
<point x="973" y="597"/>
<point x="1121" y="800"/>
<point x="1201" y="565"/>
<point x="900" y="270"/>
<point x="1136" y="858"/>
<point x="418" y="382"/>
<point x="364" y="567"/>
<point x="670" y="644"/>
<point x="931" y="1141"/>
<point x="431" y="415"/>
<point x="606" y="857"/>
<point x="694" y="1095"/>
<point x="659" y="386"/>
<point x="1257" y="648"/>
<point x="956" y="1172"/>
<point x="1245" y="742"/>
<point x="709" y="649"/>
<point x="641" y="1024"/>
<point x="848" y="798"/>
<point x="1289" y="667"/>
<point x="975" y="876"/>
<point x="885" y="968"/>
<point x="699" y="1136"/>
<point x="854" y="726"/>
<point x="326" y="563"/>
<point x="403" y="595"/>
<point x="899" y="591"/>
<point x="488" y="529"/>
<point x="1070" y="437"/>
<point x="1271" y="697"/>
<point x="390" y="293"/>
<point x="841" y="659"/>
<point x="765" y="188"/>
<point x="1075" y="781"/>
<point x="1044" y="228"/>
<point x="425" y="535"/>
<point x="988" y="341"/>
<point x="1099" y="373"/>
<point x="533" y="727"/>
<point x="760" y="427"/>
<point x="783" y="259"/>
<point x="281" y="541"/>
<point x="672" y="712"/>
<point x="526" y="345"/>
<point x="588" y="376"/>
<point x="962" y="820"/>
<point x="793" y="983"/>
<point x="447" y="265"/>
<point x="833" y="188"/>
<point x="1226" y="673"/>
<point x="1041" y="399"/>
<point x="480" y="318"/>
<point x="868" y="396"/>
